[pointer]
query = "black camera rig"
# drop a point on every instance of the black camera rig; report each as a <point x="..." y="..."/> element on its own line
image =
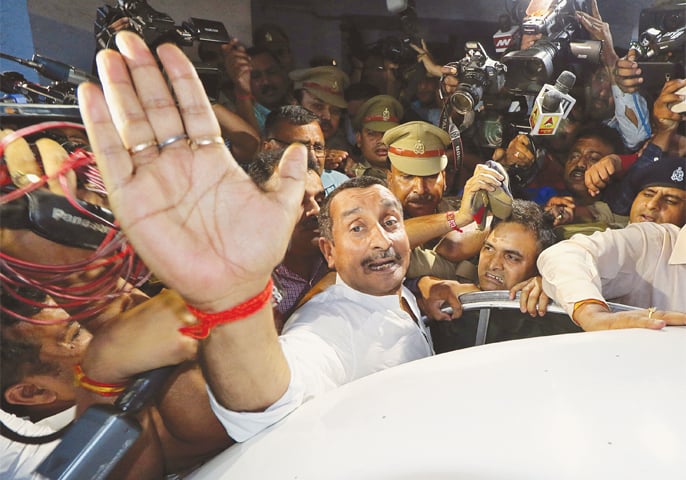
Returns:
<point x="156" y="27"/>
<point x="661" y="44"/>
<point x="563" y="39"/>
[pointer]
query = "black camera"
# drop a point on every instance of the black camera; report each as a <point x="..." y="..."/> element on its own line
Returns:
<point x="529" y="69"/>
<point x="661" y="44"/>
<point x="478" y="75"/>
<point x="156" y="27"/>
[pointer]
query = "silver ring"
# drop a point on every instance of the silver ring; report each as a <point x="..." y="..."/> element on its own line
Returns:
<point x="141" y="146"/>
<point x="204" y="141"/>
<point x="171" y="140"/>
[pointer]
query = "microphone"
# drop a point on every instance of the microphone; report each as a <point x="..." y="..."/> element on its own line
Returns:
<point x="52" y="69"/>
<point x="61" y="72"/>
<point x="552" y="104"/>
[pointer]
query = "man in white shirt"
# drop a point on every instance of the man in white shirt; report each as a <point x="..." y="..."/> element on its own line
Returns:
<point x="643" y="265"/>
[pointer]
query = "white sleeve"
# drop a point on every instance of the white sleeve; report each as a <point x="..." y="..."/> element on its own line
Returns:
<point x="599" y="266"/>
<point x="315" y="367"/>
<point x="633" y="135"/>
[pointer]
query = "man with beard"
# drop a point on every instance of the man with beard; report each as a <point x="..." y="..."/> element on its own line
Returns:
<point x="320" y="90"/>
<point x="375" y="117"/>
<point x="592" y="144"/>
<point x="416" y="174"/>
<point x="260" y="83"/>
<point x="293" y="123"/>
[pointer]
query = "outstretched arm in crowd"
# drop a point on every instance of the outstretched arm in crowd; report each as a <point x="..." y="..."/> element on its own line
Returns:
<point x="191" y="212"/>
<point x="631" y="109"/>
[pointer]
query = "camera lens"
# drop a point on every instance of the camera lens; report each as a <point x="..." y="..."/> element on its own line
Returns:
<point x="462" y="101"/>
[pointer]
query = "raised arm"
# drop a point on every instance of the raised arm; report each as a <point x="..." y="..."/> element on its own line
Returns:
<point x="191" y="212"/>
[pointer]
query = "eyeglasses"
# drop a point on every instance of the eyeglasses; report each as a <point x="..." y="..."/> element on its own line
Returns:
<point x="316" y="148"/>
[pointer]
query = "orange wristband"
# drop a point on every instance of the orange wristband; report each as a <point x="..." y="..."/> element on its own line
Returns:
<point x="207" y="321"/>
<point x="103" y="389"/>
<point x="589" y="301"/>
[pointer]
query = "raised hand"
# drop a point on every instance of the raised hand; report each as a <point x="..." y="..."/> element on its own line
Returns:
<point x="598" y="175"/>
<point x="190" y="211"/>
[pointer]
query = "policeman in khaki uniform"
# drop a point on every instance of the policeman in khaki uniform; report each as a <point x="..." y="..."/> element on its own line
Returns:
<point x="375" y="117"/>
<point x="416" y="151"/>
<point x="320" y="90"/>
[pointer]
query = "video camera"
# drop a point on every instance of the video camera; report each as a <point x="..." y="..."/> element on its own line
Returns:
<point x="156" y="27"/>
<point x="529" y="69"/>
<point x="661" y="44"/>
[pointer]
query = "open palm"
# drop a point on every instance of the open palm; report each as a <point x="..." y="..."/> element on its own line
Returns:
<point x="189" y="209"/>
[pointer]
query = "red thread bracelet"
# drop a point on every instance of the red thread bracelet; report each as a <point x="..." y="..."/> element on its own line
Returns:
<point x="102" y="389"/>
<point x="207" y="321"/>
<point x="450" y="216"/>
<point x="249" y="96"/>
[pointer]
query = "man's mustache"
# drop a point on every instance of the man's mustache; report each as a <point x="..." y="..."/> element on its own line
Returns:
<point x="390" y="253"/>
<point x="416" y="198"/>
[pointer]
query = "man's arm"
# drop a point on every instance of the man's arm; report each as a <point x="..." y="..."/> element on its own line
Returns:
<point x="191" y="212"/>
<point x="422" y="229"/>
<point x="580" y="273"/>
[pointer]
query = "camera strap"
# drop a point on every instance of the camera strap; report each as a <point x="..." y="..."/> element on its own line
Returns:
<point x="447" y="124"/>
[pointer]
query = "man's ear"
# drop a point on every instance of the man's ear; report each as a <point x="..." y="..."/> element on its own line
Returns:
<point x="358" y="139"/>
<point x="27" y="393"/>
<point x="326" y="247"/>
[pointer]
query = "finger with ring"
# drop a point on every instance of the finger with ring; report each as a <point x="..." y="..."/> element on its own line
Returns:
<point x="651" y="310"/>
<point x="204" y="141"/>
<point x="171" y="140"/>
<point x="141" y="146"/>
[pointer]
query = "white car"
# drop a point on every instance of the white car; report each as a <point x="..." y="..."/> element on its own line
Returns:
<point x="595" y="405"/>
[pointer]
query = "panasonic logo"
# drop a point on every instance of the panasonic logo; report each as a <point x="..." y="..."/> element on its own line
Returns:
<point x="60" y="215"/>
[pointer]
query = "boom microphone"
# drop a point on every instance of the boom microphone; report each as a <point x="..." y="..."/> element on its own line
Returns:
<point x="552" y="104"/>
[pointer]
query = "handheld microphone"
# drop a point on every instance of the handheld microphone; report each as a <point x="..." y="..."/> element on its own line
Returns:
<point x="552" y="104"/>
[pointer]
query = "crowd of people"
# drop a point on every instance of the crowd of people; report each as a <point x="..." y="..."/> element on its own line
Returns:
<point x="297" y="233"/>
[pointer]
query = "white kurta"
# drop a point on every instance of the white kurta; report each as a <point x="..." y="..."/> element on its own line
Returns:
<point x="643" y="265"/>
<point x="338" y="336"/>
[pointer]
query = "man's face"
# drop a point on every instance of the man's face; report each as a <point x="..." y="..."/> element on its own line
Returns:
<point x="370" y="249"/>
<point x="329" y="115"/>
<point x="418" y="195"/>
<point x="584" y="153"/>
<point x="305" y="237"/>
<point x="373" y="149"/>
<point x="508" y="257"/>
<point x="659" y="205"/>
<point x="310" y="135"/>
<point x="268" y="81"/>
<point x="601" y="104"/>
<point x="62" y="344"/>
<point x="427" y="89"/>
